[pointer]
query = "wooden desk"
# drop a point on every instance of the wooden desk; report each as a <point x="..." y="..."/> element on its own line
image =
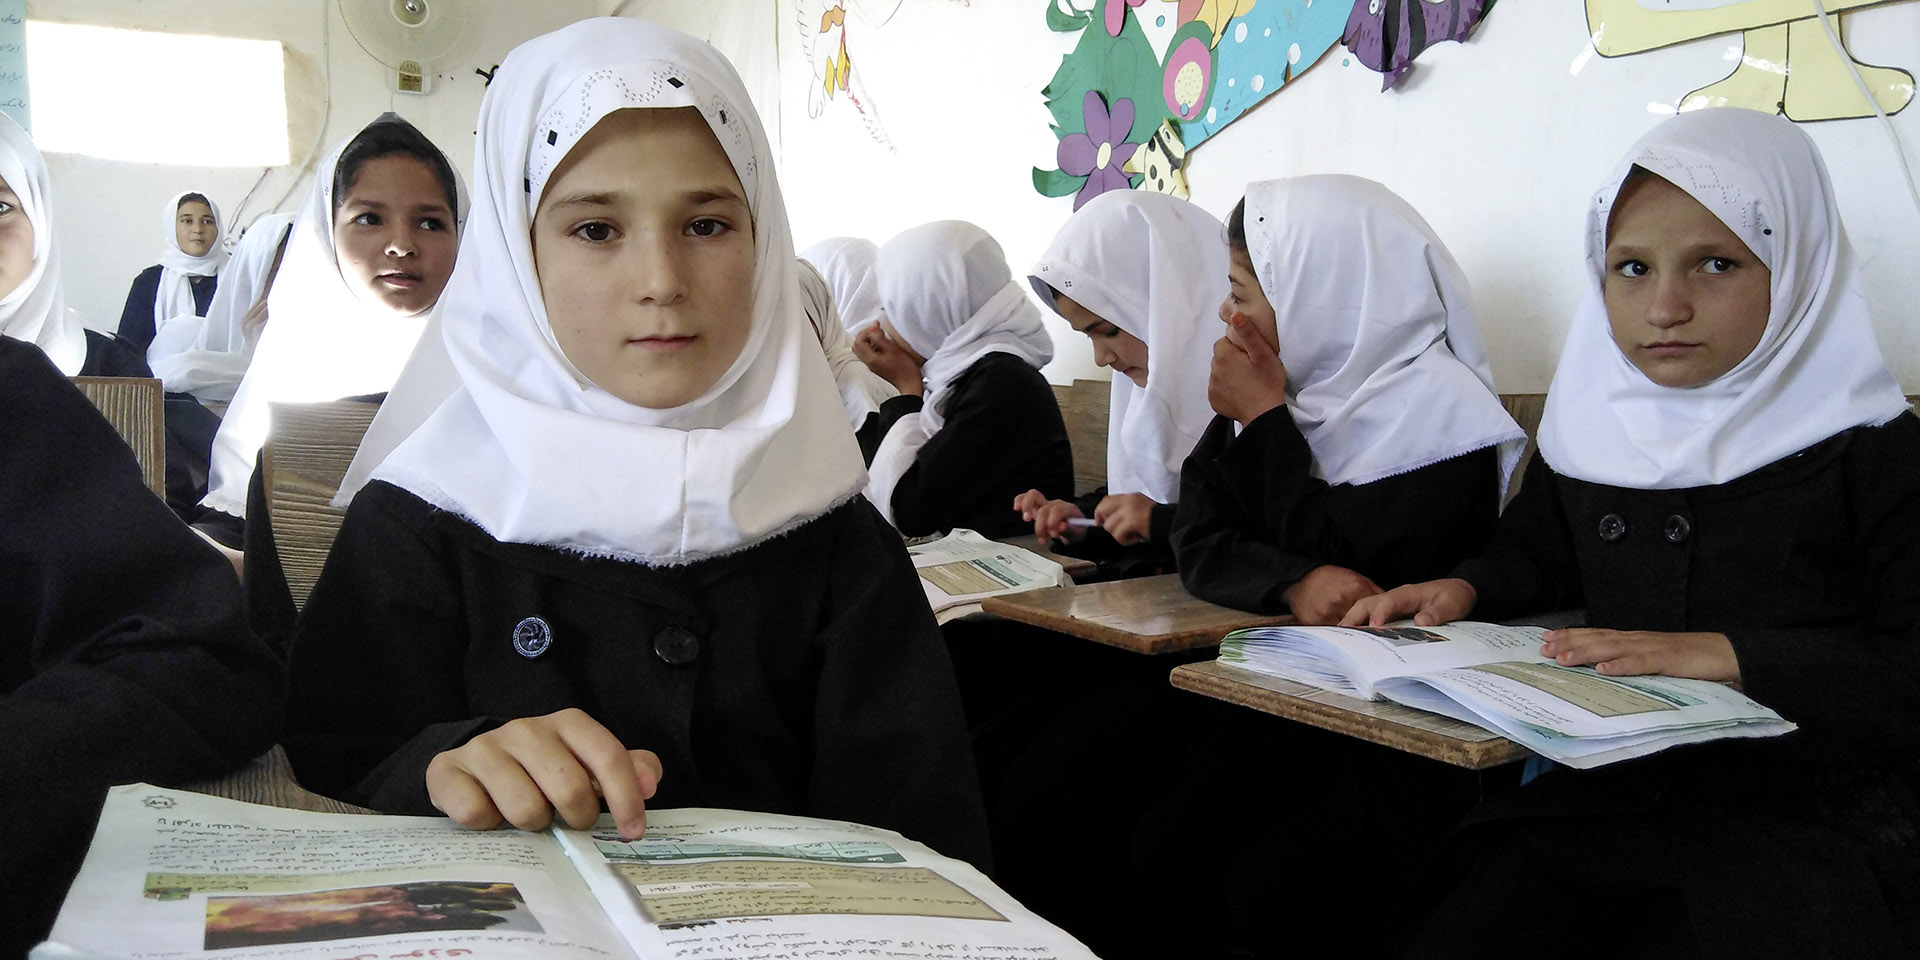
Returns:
<point x="1075" y="566"/>
<point x="269" y="779"/>
<point x="1383" y="722"/>
<point x="1145" y="615"/>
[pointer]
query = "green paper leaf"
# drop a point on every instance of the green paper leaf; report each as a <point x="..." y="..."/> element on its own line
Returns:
<point x="1056" y="183"/>
<point x="1062" y="22"/>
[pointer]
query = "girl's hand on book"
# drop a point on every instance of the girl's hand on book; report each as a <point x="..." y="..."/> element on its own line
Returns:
<point x="1326" y="592"/>
<point x="525" y="770"/>
<point x="1429" y="604"/>
<point x="1627" y="653"/>
<point x="1049" y="517"/>
<point x="1127" y="517"/>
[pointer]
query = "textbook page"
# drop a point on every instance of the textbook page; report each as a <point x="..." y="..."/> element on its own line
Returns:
<point x="713" y="884"/>
<point x="178" y="874"/>
<point x="963" y="568"/>
<point x="1353" y="660"/>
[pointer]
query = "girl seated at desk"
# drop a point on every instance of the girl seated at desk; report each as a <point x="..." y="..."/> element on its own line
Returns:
<point x="1138" y="273"/>
<point x="975" y="424"/>
<point x="1729" y="483"/>
<point x="1359" y="441"/>
<point x="626" y="538"/>
<point x="182" y="284"/>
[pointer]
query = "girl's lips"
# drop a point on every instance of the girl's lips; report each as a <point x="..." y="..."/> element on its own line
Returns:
<point x="399" y="279"/>
<point x="1670" y="349"/>
<point x="663" y="344"/>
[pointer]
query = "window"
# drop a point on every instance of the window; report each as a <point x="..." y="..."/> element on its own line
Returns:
<point x="157" y="97"/>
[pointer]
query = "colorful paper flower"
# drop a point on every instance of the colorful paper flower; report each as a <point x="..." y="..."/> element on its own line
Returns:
<point x="1215" y="13"/>
<point x="1188" y="76"/>
<point x="1117" y="14"/>
<point x="1099" y="153"/>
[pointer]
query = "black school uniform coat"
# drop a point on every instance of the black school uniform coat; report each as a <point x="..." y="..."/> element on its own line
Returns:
<point x="190" y="427"/>
<point x="1802" y="845"/>
<point x="136" y="318"/>
<point x="124" y="654"/>
<point x="1003" y="436"/>
<point x="1252" y="520"/>
<point x="801" y="675"/>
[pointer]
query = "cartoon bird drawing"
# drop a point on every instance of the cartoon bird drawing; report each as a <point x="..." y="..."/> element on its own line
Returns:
<point x="823" y="36"/>
<point x="1787" y="64"/>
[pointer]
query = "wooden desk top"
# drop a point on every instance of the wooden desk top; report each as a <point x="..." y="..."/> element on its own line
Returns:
<point x="1075" y="566"/>
<point x="1145" y="615"/>
<point x="269" y="779"/>
<point x="1383" y="722"/>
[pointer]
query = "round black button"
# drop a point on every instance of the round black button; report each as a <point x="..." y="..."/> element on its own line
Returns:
<point x="1678" y="529"/>
<point x="1612" y="527"/>
<point x="676" y="645"/>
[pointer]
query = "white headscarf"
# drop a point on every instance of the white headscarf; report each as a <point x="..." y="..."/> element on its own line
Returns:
<point x="1817" y="370"/>
<point x="519" y="441"/>
<point x="1385" y="370"/>
<point x="946" y="289"/>
<point x="207" y="356"/>
<point x="175" y="295"/>
<point x="847" y="264"/>
<point x="861" y="390"/>
<point x="1156" y="267"/>
<point x="36" y="311"/>
<point x="322" y="341"/>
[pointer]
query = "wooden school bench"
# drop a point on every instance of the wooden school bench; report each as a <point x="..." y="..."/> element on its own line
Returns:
<point x="134" y="405"/>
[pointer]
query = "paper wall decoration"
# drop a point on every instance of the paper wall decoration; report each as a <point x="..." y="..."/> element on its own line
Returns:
<point x="823" y="37"/>
<point x="1787" y="65"/>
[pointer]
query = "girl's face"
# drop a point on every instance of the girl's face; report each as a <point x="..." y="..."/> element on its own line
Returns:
<point x="394" y="234"/>
<point x="1686" y="299"/>
<point x="1245" y="297"/>
<point x="1113" y="347"/>
<point x="16" y="241"/>
<point x="643" y="242"/>
<point x="194" y="228"/>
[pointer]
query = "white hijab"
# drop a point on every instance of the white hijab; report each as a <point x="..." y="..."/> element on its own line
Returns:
<point x="322" y="341"/>
<point x="36" y="311"/>
<point x="1385" y="369"/>
<point x="522" y="444"/>
<point x="208" y="356"/>
<point x="946" y="289"/>
<point x="1817" y="370"/>
<point x="175" y="295"/>
<point x="847" y="264"/>
<point x="861" y="390"/>
<point x="1156" y="267"/>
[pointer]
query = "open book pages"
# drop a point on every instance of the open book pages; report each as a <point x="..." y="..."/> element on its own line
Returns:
<point x="1494" y="676"/>
<point x="178" y="874"/>
<point x="963" y="568"/>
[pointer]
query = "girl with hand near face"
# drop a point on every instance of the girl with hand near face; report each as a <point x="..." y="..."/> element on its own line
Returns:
<point x="1729" y="483"/>
<point x="975" y="424"/>
<point x="1358" y="441"/>
<point x="1139" y="274"/>
<point x="182" y="284"/>
<point x="620" y="552"/>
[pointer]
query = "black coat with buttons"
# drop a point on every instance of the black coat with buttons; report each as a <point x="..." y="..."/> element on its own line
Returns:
<point x="803" y="675"/>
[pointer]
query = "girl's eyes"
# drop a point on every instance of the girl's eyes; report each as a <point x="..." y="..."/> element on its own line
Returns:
<point x="1630" y="268"/>
<point x="432" y="223"/>
<point x="1717" y="264"/>
<point x="594" y="232"/>
<point x="707" y="227"/>
<point x="6" y="208"/>
<point x="368" y="219"/>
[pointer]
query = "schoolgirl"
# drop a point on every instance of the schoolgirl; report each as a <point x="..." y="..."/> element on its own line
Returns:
<point x="183" y="283"/>
<point x="847" y="265"/>
<point x="861" y="390"/>
<point x="208" y="356"/>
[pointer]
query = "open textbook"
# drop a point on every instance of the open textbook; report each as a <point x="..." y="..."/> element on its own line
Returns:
<point x="963" y="568"/>
<point x="1494" y="676"/>
<point x="178" y="874"/>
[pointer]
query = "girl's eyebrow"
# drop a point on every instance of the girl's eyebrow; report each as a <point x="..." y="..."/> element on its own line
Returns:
<point x="607" y="198"/>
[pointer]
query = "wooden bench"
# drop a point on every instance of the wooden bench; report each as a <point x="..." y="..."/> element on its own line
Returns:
<point x="135" y="407"/>
<point x="306" y="456"/>
<point x="1083" y="405"/>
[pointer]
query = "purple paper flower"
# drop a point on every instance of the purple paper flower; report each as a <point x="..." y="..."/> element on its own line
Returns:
<point x="1117" y="15"/>
<point x="1099" y="153"/>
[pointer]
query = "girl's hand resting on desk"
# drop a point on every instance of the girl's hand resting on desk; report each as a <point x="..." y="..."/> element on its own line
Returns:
<point x="1326" y="592"/>
<point x="1127" y="517"/>
<point x="1246" y="379"/>
<point x="525" y="770"/>
<point x="1049" y="517"/>
<point x="1626" y="653"/>
<point x="1429" y="604"/>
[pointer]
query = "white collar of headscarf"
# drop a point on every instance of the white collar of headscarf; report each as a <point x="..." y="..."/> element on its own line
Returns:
<point x="1385" y="369"/>
<point x="1817" y="370"/>
<point x="861" y="390"/>
<point x="322" y="340"/>
<point x="514" y="439"/>
<point x="947" y="291"/>
<point x="207" y="356"/>
<point x="1156" y="267"/>
<point x="36" y="311"/>
<point x="174" y="297"/>
<point x="847" y="264"/>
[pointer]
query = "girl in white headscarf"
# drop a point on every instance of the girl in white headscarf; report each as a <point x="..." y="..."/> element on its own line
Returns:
<point x="34" y="306"/>
<point x="1359" y="440"/>
<point x="184" y="281"/>
<point x="975" y="424"/>
<point x="1141" y="274"/>
<point x="207" y="356"/>
<point x="1729" y="484"/>
<point x="861" y="390"/>
<point x="847" y="265"/>
<point x="625" y="533"/>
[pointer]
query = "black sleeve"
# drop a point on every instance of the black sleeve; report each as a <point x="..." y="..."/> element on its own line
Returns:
<point x="1530" y="566"/>
<point x="190" y="427"/>
<point x="129" y="656"/>
<point x="270" y="608"/>
<point x="892" y="746"/>
<point x="1252" y="520"/>
<point x="874" y="430"/>
<point x="136" y="318"/>
<point x="387" y="568"/>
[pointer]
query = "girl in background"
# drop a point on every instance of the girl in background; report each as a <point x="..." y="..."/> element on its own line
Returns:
<point x="847" y="265"/>
<point x="183" y="282"/>
<point x="861" y="390"/>
<point x="208" y="356"/>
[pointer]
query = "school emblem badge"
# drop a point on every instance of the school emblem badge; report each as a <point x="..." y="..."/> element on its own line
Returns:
<point x="532" y="637"/>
